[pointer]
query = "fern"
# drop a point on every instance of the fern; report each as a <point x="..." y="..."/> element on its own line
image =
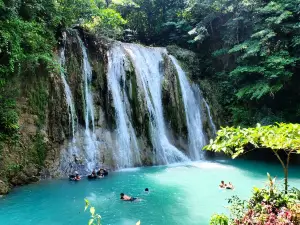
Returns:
<point x="296" y="41"/>
<point x="241" y="47"/>
<point x="254" y="91"/>
<point x="220" y="52"/>
<point x="247" y="70"/>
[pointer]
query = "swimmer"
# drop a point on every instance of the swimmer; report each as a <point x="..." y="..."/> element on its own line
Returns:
<point x="222" y="185"/>
<point x="147" y="190"/>
<point x="230" y="186"/>
<point x="127" y="198"/>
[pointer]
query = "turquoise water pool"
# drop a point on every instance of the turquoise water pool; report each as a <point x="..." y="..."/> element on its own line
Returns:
<point x="179" y="194"/>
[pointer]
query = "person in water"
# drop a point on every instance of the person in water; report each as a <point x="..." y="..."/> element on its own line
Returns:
<point x="147" y="190"/>
<point x="77" y="177"/>
<point x="102" y="172"/>
<point x="230" y="186"/>
<point x="127" y="198"/>
<point x="94" y="173"/>
<point x="222" y="185"/>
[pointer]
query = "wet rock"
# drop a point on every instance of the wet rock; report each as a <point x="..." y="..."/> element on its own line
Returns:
<point x="20" y="179"/>
<point x="30" y="171"/>
<point x="4" y="188"/>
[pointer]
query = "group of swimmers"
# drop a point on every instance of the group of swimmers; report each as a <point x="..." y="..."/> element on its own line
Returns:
<point x="124" y="197"/>
<point x="99" y="174"/>
<point x="226" y="186"/>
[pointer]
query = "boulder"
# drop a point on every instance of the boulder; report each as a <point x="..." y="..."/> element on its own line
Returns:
<point x="20" y="179"/>
<point x="4" y="188"/>
<point x="30" y="171"/>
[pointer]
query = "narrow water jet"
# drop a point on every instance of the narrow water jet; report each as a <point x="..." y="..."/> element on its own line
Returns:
<point x="147" y="62"/>
<point x="192" y="107"/>
<point x="211" y="122"/>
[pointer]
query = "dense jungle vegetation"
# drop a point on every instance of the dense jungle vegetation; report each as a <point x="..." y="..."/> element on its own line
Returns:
<point x="249" y="49"/>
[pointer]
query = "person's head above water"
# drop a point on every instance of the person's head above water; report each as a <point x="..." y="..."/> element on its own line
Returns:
<point x="122" y="195"/>
<point x="222" y="182"/>
<point x="146" y="189"/>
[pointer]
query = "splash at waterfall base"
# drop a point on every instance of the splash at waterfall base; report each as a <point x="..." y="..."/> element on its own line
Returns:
<point x="134" y="106"/>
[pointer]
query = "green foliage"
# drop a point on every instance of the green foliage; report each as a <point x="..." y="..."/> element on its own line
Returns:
<point x="40" y="149"/>
<point x="9" y="116"/>
<point x="237" y="208"/>
<point x="279" y="137"/>
<point x="14" y="167"/>
<point x="267" y="61"/>
<point x="233" y="141"/>
<point x="95" y="218"/>
<point x="154" y="21"/>
<point x="217" y="219"/>
<point x="106" y="22"/>
<point x="38" y="99"/>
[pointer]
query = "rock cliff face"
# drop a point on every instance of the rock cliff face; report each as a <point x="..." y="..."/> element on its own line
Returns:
<point x="108" y="104"/>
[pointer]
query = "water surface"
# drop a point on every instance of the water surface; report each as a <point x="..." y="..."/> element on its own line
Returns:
<point x="179" y="194"/>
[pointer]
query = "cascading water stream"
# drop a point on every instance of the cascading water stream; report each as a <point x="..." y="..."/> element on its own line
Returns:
<point x="147" y="66"/>
<point x="127" y="153"/>
<point x="68" y="93"/>
<point x="212" y="124"/>
<point x="71" y="150"/>
<point x="91" y="144"/>
<point x="192" y="107"/>
<point x="87" y="73"/>
<point x="83" y="153"/>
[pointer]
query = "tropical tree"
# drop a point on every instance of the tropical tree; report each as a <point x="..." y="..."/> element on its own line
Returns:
<point x="276" y="138"/>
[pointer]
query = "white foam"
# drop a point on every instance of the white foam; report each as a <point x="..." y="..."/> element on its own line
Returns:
<point x="129" y="169"/>
<point x="210" y="165"/>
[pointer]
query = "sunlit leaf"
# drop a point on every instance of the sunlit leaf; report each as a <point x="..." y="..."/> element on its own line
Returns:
<point x="91" y="221"/>
<point x="87" y="203"/>
<point x="92" y="210"/>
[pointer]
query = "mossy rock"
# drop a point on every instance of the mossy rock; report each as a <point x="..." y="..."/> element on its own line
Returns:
<point x="4" y="188"/>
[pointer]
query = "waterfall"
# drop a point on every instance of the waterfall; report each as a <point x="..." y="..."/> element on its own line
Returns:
<point x="147" y="63"/>
<point x="87" y="73"/>
<point x="127" y="143"/>
<point x="135" y="75"/>
<point x="211" y="122"/>
<point x="68" y="93"/>
<point x="90" y="141"/>
<point x="193" y="114"/>
<point x="72" y="149"/>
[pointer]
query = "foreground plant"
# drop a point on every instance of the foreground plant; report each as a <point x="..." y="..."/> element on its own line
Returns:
<point x="217" y="219"/>
<point x="96" y="218"/>
<point x="277" y="138"/>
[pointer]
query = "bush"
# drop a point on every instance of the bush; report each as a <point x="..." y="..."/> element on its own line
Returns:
<point x="219" y="220"/>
